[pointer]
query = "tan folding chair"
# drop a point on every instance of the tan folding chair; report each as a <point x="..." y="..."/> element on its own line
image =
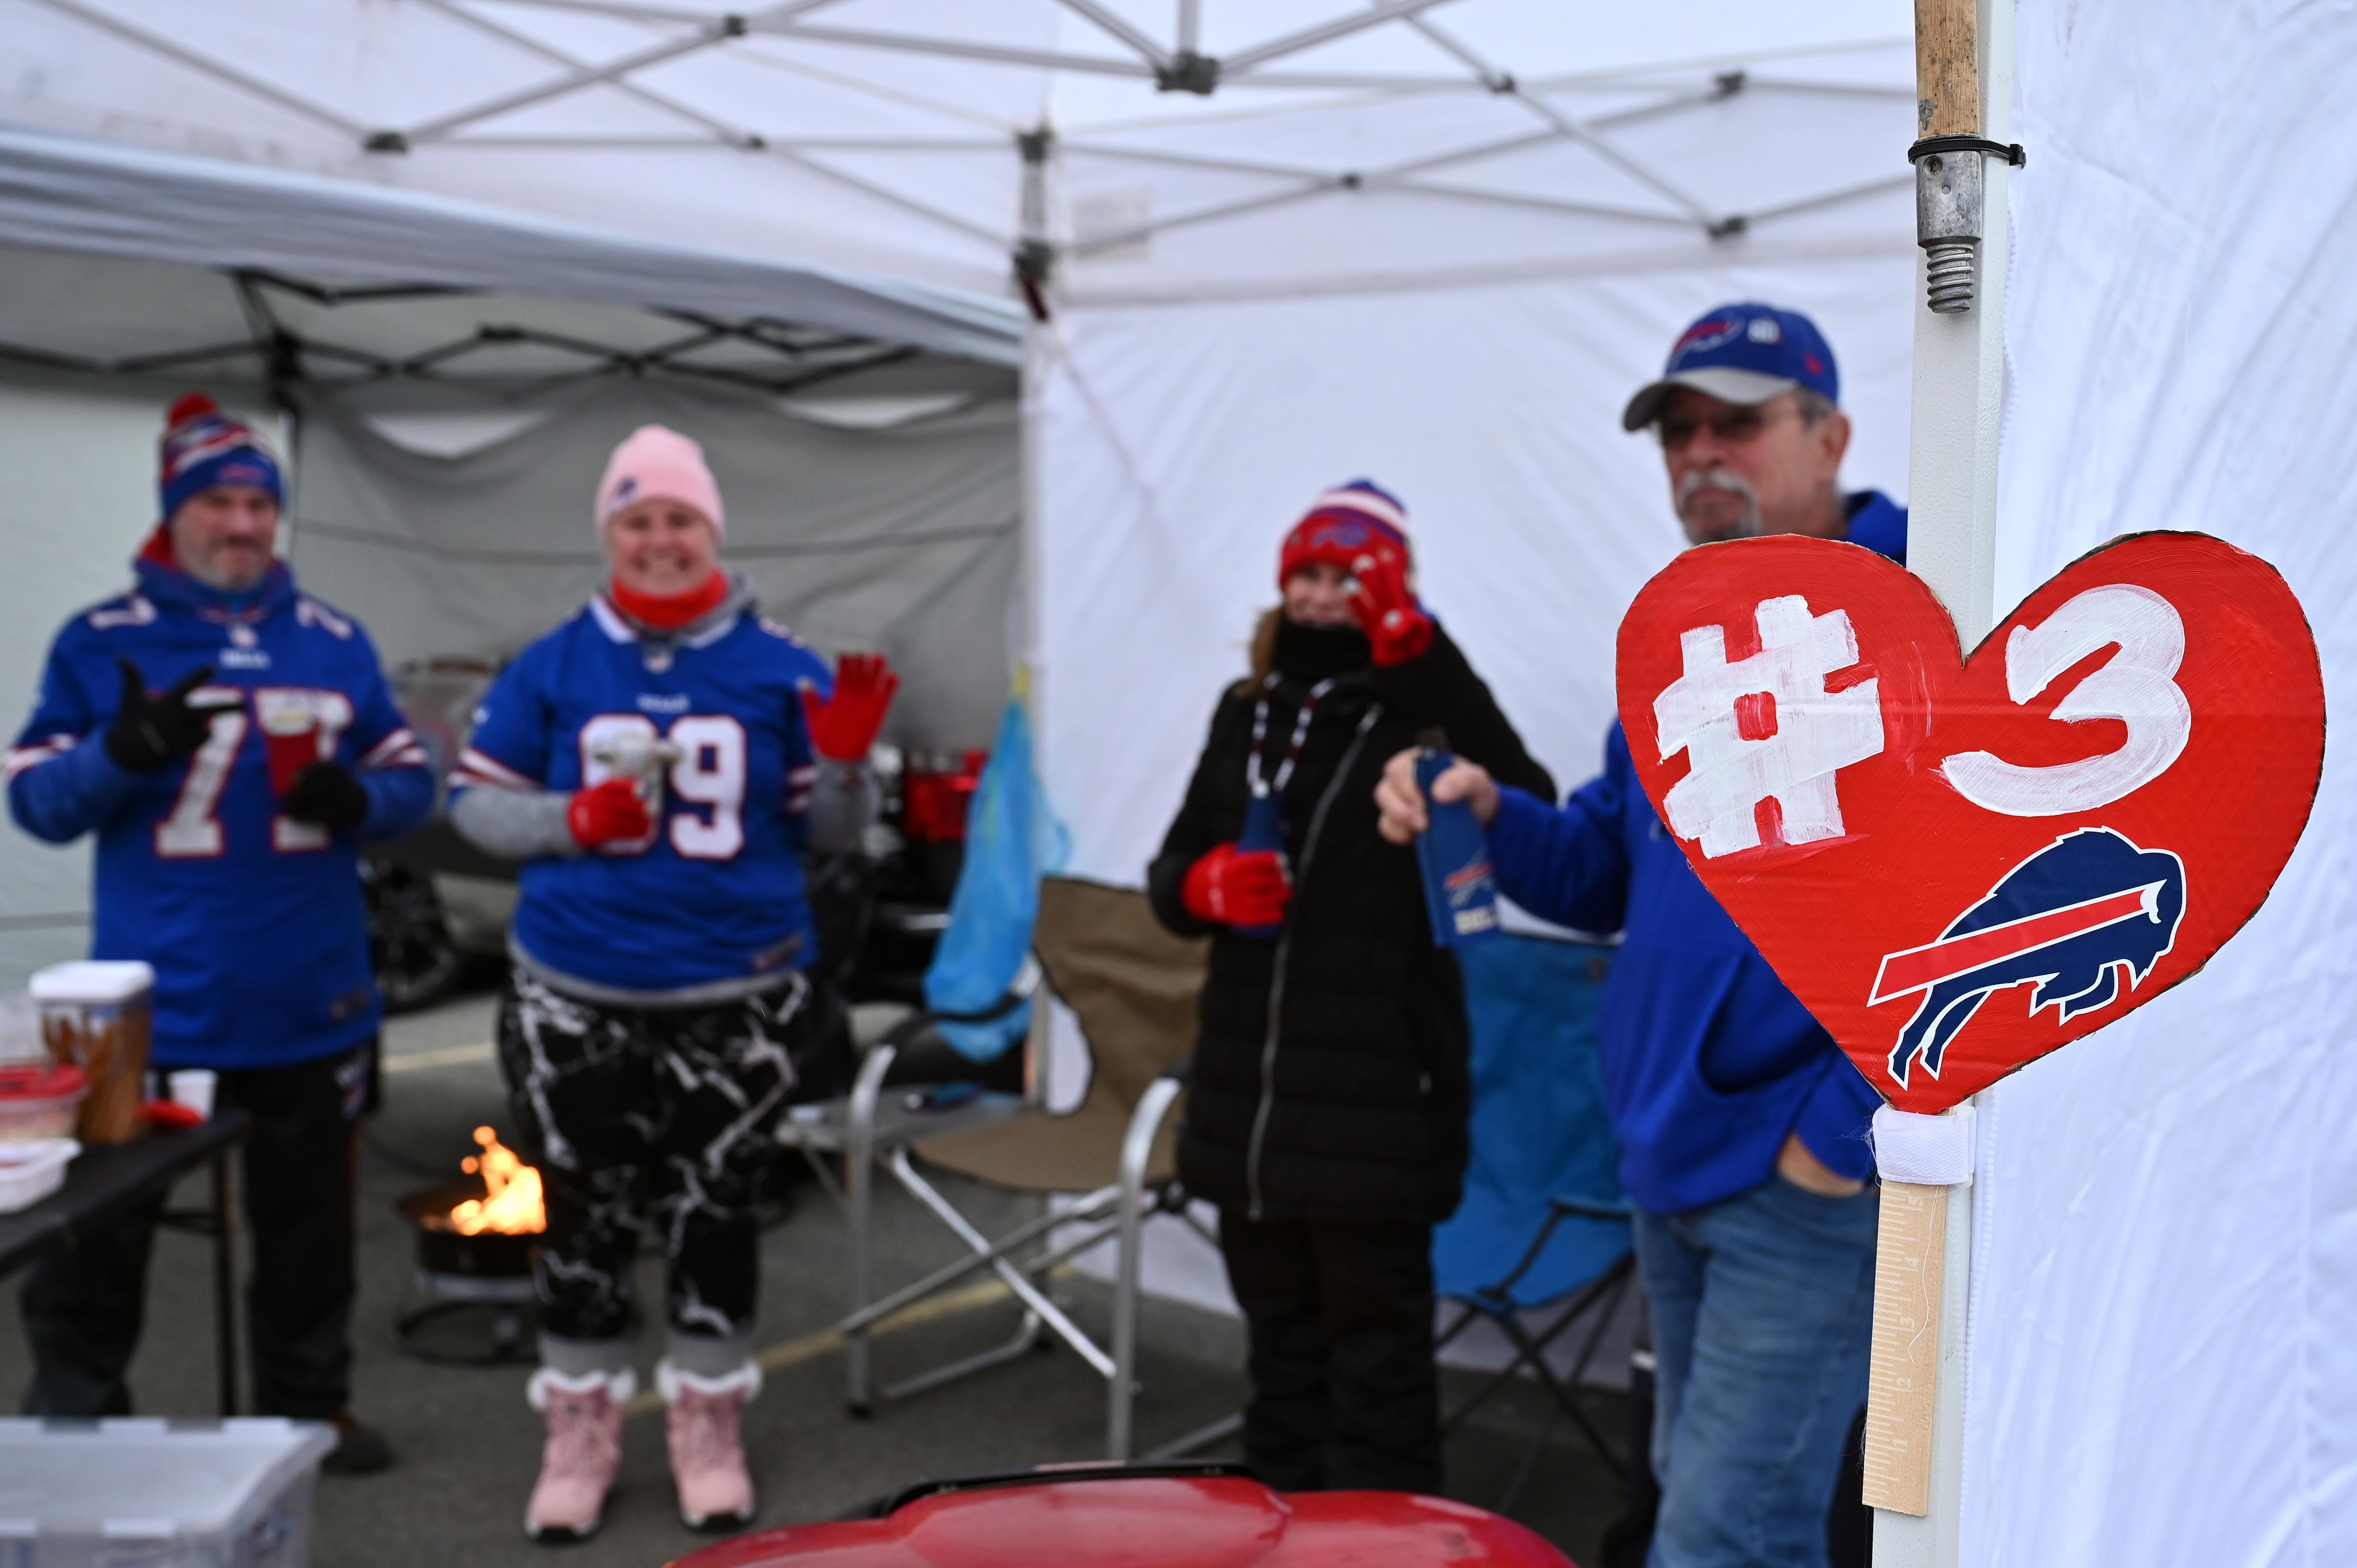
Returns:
<point x="1133" y="987"/>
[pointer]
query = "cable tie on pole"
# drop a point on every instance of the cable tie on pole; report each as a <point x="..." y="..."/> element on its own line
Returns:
<point x="2009" y="151"/>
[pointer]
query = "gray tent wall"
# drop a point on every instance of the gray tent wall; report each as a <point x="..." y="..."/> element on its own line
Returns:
<point x="902" y="540"/>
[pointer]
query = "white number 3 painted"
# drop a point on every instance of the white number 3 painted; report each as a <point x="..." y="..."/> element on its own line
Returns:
<point x="2138" y="687"/>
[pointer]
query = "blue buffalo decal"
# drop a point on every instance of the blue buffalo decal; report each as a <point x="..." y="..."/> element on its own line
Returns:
<point x="2075" y="918"/>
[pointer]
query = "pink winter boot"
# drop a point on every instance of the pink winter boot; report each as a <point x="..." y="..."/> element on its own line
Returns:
<point x="584" y="1451"/>
<point x="707" y="1451"/>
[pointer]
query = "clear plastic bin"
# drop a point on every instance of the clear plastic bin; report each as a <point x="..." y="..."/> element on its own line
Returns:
<point x="39" y="1101"/>
<point x="158" y="1494"/>
<point x="29" y="1172"/>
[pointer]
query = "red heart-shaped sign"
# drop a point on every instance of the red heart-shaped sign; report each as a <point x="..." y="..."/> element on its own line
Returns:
<point x="1959" y="865"/>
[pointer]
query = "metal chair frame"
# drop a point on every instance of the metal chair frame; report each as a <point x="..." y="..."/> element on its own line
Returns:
<point x="868" y="1129"/>
<point x="1494" y="1303"/>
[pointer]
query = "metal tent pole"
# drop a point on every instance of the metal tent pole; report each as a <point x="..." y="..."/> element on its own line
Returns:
<point x="1964" y="69"/>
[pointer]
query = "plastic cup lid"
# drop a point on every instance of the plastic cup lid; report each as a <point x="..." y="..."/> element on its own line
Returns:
<point x="93" y="980"/>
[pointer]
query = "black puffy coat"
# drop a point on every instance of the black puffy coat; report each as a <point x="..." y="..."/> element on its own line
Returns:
<point x="1331" y="1077"/>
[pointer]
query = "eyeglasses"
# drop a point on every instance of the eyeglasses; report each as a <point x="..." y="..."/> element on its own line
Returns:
<point x="1734" y="426"/>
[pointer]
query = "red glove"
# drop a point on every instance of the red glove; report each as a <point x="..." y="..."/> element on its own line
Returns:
<point x="1394" y="623"/>
<point x="1230" y="887"/>
<point x="844" y="728"/>
<point x="607" y="813"/>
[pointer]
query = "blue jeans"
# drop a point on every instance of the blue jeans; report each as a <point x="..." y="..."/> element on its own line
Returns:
<point x="1762" y="1310"/>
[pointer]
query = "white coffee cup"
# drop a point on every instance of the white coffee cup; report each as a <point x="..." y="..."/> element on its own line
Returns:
<point x="193" y="1087"/>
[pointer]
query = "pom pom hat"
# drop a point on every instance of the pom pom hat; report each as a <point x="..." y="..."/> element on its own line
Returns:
<point x="653" y="462"/>
<point x="1341" y="525"/>
<point x="204" y="448"/>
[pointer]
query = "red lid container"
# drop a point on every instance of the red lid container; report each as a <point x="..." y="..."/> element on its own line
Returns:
<point x="40" y="1081"/>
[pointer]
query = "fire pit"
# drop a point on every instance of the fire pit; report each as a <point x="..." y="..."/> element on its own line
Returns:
<point x="476" y="1239"/>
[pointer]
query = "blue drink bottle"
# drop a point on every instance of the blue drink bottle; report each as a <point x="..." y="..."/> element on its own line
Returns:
<point x="1263" y="828"/>
<point x="1460" y="891"/>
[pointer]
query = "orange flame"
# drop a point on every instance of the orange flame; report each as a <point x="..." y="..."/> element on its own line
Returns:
<point x="512" y="1205"/>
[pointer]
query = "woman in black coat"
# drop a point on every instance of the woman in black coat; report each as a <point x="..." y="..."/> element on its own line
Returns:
<point x="1327" y="1115"/>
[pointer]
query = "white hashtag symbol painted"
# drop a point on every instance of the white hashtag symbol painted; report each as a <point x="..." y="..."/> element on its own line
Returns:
<point x="1810" y="731"/>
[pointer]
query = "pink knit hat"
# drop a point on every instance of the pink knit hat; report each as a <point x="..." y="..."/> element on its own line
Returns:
<point x="654" y="461"/>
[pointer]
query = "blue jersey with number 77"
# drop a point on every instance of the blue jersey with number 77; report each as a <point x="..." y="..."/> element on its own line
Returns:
<point x="716" y="896"/>
<point x="254" y="922"/>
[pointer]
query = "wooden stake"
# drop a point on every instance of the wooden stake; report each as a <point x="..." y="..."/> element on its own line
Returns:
<point x="1909" y="1265"/>
<point x="1947" y="68"/>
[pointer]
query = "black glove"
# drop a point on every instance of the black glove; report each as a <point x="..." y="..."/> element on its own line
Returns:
<point x="149" y="733"/>
<point x="329" y="794"/>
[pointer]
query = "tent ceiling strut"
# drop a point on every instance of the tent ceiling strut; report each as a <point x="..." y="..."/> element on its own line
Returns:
<point x="205" y="64"/>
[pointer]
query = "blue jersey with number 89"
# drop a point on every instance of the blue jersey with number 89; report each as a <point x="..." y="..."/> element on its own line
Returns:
<point x="716" y="894"/>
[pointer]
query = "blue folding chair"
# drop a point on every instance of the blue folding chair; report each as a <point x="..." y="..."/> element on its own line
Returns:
<point x="1542" y="1238"/>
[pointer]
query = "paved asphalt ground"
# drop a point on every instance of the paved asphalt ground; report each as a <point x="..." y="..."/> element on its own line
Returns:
<point x="469" y="1446"/>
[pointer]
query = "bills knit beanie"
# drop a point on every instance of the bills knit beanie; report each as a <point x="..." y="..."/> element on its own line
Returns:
<point x="204" y="447"/>
<point x="1341" y="525"/>
<point x="654" y="462"/>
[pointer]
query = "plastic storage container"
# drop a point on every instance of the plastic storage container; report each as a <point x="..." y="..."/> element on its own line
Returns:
<point x="29" y="1172"/>
<point x="39" y="1101"/>
<point x="94" y="1014"/>
<point x="213" y="1494"/>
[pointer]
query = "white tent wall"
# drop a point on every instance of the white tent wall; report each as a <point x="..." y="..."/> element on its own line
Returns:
<point x="2167" y="1216"/>
<point x="80" y="498"/>
<point x="1176" y="444"/>
<point x="903" y="540"/>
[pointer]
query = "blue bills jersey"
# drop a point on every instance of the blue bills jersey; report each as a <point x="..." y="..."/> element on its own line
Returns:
<point x="255" y="923"/>
<point x="716" y="894"/>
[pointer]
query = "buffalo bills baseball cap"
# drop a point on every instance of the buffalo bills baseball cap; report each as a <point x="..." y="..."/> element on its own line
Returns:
<point x="1743" y="353"/>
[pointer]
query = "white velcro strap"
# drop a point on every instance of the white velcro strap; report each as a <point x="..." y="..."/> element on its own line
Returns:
<point x="1929" y="1151"/>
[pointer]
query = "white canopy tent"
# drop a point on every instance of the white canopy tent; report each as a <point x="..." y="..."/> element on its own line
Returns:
<point x="1438" y="244"/>
<point x="1208" y="203"/>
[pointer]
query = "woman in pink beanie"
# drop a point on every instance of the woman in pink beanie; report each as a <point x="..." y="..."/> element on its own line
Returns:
<point x="659" y="762"/>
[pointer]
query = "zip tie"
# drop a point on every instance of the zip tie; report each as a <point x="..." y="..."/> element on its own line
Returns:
<point x="2009" y="151"/>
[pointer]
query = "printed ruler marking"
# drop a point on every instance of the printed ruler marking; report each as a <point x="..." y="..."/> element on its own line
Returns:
<point x="1908" y="1261"/>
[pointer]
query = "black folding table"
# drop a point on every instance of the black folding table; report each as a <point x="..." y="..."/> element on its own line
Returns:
<point x="107" y="1181"/>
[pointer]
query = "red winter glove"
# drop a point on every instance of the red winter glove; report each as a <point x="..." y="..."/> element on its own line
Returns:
<point x="1230" y="887"/>
<point x="845" y="727"/>
<point x="1394" y="623"/>
<point x="607" y="813"/>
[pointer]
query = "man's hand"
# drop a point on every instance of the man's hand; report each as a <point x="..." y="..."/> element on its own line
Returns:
<point x="1796" y="1165"/>
<point x="1401" y="803"/>
<point x="327" y="794"/>
<point x="607" y="813"/>
<point x="1229" y="886"/>
<point x="844" y="728"/>
<point x="150" y="733"/>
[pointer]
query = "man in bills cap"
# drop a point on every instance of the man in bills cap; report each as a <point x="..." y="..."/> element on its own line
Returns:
<point x="1741" y="1125"/>
<point x="1748" y="413"/>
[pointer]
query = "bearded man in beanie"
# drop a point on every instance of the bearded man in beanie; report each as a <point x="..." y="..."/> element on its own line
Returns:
<point x="231" y="742"/>
<point x="1742" y="1126"/>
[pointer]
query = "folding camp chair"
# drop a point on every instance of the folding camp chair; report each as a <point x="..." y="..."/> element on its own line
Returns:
<point x="1540" y="1241"/>
<point x="1132" y="985"/>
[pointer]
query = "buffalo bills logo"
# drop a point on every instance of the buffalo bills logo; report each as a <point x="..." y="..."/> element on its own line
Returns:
<point x="2075" y="918"/>
<point x="1348" y="532"/>
<point x="1704" y="336"/>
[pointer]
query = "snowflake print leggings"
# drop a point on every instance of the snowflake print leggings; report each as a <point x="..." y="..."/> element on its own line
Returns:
<point x="643" y="1117"/>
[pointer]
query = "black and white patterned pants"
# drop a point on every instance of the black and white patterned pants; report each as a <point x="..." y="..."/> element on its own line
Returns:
<point x="641" y="1117"/>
